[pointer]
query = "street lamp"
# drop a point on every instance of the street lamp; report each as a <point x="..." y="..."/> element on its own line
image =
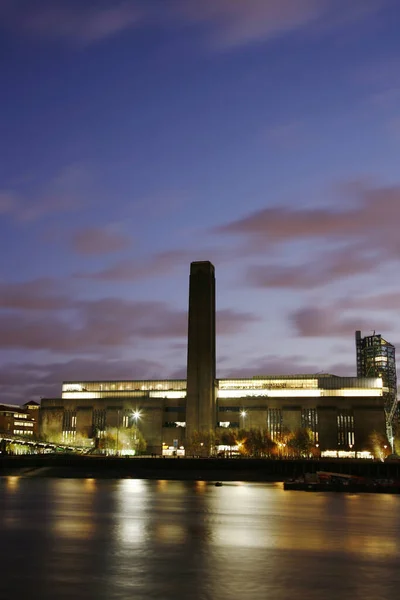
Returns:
<point x="136" y="416"/>
<point x="243" y="414"/>
<point x="117" y="449"/>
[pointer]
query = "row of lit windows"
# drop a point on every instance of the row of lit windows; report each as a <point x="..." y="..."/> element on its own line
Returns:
<point x="345" y="426"/>
<point x="24" y="423"/>
<point x="22" y="432"/>
<point x="255" y="384"/>
<point x="91" y="386"/>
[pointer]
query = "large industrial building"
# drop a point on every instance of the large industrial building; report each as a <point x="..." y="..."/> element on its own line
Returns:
<point x="340" y="412"/>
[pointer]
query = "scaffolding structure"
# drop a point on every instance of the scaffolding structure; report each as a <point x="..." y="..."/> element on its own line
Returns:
<point x="376" y="357"/>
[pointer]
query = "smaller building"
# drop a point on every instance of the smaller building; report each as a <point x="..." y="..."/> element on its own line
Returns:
<point x="33" y="410"/>
<point x="16" y="421"/>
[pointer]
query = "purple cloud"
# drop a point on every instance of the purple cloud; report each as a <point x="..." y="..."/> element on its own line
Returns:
<point x="356" y="236"/>
<point x="324" y="269"/>
<point x="369" y="214"/>
<point x="330" y="322"/>
<point x="38" y="294"/>
<point x="98" y="240"/>
<point x="131" y="270"/>
<point x="229" y="23"/>
<point x="238" y="22"/>
<point x="20" y="382"/>
<point x="243" y="21"/>
<point x="63" y="193"/>
<point x="78" y="22"/>
<point x="38" y="318"/>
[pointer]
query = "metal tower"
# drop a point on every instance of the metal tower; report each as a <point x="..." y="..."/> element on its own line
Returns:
<point x="377" y="358"/>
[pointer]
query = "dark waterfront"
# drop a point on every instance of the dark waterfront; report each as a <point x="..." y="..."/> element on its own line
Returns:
<point x="142" y="539"/>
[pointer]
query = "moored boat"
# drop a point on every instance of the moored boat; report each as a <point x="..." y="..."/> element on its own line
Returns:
<point x="326" y="481"/>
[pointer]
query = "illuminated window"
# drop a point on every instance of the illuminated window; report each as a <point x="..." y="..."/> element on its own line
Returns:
<point x="309" y="420"/>
<point x="99" y="422"/>
<point x="274" y="423"/>
<point x="69" y="420"/>
<point x="345" y="428"/>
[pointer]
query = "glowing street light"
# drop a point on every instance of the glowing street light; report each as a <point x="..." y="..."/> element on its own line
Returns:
<point x="243" y="414"/>
<point x="136" y="416"/>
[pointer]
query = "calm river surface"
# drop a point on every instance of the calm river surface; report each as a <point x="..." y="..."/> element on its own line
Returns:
<point x="84" y="539"/>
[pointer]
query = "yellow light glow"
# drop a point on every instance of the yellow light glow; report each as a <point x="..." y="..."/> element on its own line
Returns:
<point x="12" y="482"/>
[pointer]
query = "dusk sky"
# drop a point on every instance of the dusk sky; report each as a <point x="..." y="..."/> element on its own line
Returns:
<point x="139" y="135"/>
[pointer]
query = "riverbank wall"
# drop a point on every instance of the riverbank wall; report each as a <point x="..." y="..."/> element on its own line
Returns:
<point x="207" y="469"/>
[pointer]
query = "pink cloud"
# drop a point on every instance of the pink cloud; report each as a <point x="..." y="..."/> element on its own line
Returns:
<point x="82" y="22"/>
<point x="20" y="382"/>
<point x="39" y="319"/>
<point x="325" y="269"/>
<point x="388" y="301"/>
<point x="9" y="203"/>
<point x="272" y="364"/>
<point x="330" y="322"/>
<point x="98" y="240"/>
<point x="242" y="21"/>
<point x="356" y="236"/>
<point x="369" y="212"/>
<point x="229" y="23"/>
<point x="62" y="193"/>
<point x="230" y="321"/>
<point x="38" y="294"/>
<point x="131" y="270"/>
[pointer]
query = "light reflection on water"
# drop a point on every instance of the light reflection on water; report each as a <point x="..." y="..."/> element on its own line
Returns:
<point x="140" y="539"/>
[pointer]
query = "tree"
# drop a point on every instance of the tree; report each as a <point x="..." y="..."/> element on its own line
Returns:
<point x="255" y="442"/>
<point x="282" y="446"/>
<point x="200" y="443"/>
<point x="226" y="437"/>
<point x="119" y="440"/>
<point x="379" y="445"/>
<point x="301" y="442"/>
<point x="133" y="439"/>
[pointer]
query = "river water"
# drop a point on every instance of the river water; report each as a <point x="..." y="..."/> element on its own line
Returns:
<point x="115" y="539"/>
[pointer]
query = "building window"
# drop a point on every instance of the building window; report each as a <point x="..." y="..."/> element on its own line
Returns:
<point x="309" y="420"/>
<point x="69" y="420"/>
<point x="22" y="432"/>
<point x="274" y="423"/>
<point x="345" y="428"/>
<point x="99" y="422"/>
